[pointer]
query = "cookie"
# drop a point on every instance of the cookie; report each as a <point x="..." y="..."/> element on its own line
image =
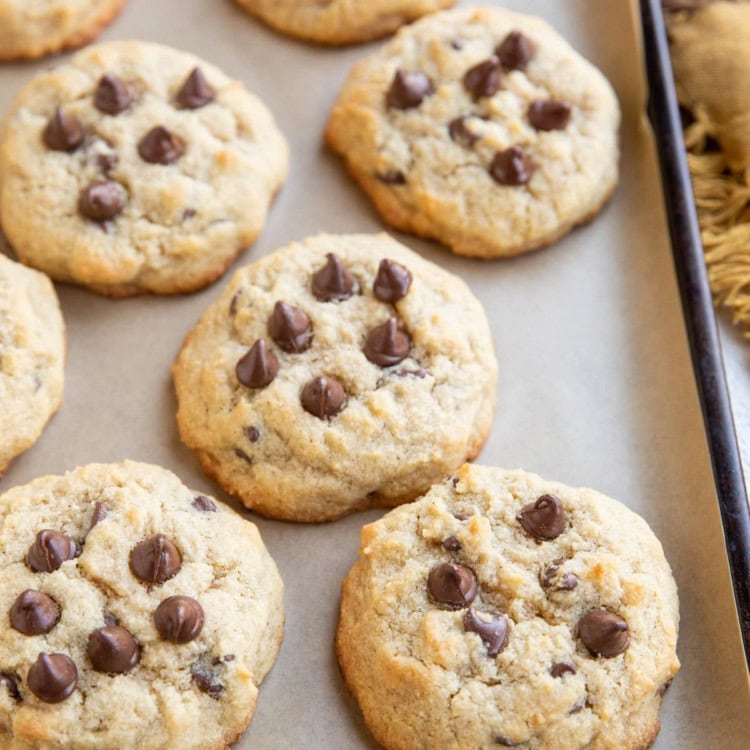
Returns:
<point x="502" y="610"/>
<point x="137" y="168"/>
<point x="32" y="29"/>
<point x="336" y="374"/>
<point x="32" y="357"/>
<point x="482" y="129"/>
<point x="140" y="614"/>
<point x="340" y="21"/>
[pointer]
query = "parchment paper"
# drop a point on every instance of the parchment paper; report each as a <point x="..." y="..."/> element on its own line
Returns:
<point x="595" y="382"/>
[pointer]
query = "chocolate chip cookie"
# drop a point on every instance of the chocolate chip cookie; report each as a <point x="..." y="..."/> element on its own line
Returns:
<point x="32" y="357"/>
<point x="137" y="168"/>
<point x="501" y="610"/>
<point x="32" y="29"/>
<point x="139" y="614"/>
<point x="336" y="374"/>
<point x="340" y="21"/>
<point x="480" y="128"/>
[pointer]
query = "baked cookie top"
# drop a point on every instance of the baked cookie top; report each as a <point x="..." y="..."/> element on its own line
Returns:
<point x="32" y="357"/>
<point x="501" y="610"/>
<point x="480" y="128"/>
<point x="141" y="614"/>
<point x="32" y="29"/>
<point x="340" y="21"/>
<point x="137" y="168"/>
<point x="337" y="373"/>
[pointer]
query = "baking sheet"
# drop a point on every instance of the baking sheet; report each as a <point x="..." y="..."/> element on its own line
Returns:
<point x="595" y="382"/>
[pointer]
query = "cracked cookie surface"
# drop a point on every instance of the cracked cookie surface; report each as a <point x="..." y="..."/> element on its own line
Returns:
<point x="502" y="610"/>
<point x="137" y="168"/>
<point x="338" y="373"/>
<point x="32" y="357"/>
<point x="142" y="615"/>
<point x="480" y="128"/>
<point x="340" y="21"/>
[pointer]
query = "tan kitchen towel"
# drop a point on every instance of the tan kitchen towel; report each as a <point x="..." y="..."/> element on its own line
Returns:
<point x="711" y="59"/>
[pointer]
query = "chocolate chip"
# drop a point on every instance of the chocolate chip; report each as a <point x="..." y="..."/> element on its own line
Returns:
<point x="323" y="397"/>
<point x="49" y="551"/>
<point x="207" y="679"/>
<point x="109" y="619"/>
<point x="204" y="504"/>
<point x="101" y="511"/>
<point x="603" y="633"/>
<point x="242" y="455"/>
<point x="452" y="544"/>
<point x="515" y="51"/>
<point x="112" y="96"/>
<point x="511" y="167"/>
<point x="155" y="560"/>
<point x="333" y="283"/>
<point x="34" y="613"/>
<point x="392" y="281"/>
<point x="195" y="92"/>
<point x="577" y="708"/>
<point x="386" y="345"/>
<point x="392" y="177"/>
<point x="11" y="685"/>
<point x="457" y="44"/>
<point x="101" y="200"/>
<point x="484" y="79"/>
<point x="160" y="146"/>
<point x="494" y="633"/>
<point x="179" y="619"/>
<point x="253" y="433"/>
<point x="223" y="659"/>
<point x="290" y="327"/>
<point x="188" y="214"/>
<point x="113" y="650"/>
<point x="408" y="89"/>
<point x="52" y="677"/>
<point x="501" y="739"/>
<point x="258" y="367"/>
<point x="562" y="668"/>
<point x="418" y="373"/>
<point x="549" y="114"/>
<point x="63" y="132"/>
<point x="460" y="133"/>
<point x="106" y="162"/>
<point x="551" y="579"/>
<point x="452" y="585"/>
<point x="543" y="519"/>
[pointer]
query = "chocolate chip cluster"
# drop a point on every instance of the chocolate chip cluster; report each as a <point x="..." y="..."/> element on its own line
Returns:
<point x="111" y="649"/>
<point x="103" y="199"/>
<point x="512" y="166"/>
<point x="291" y="329"/>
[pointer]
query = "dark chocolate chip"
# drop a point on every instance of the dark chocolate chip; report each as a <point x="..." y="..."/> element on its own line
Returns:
<point x="112" y="96"/>
<point x="549" y="114"/>
<point x="484" y="79"/>
<point x="101" y="201"/>
<point x="52" y="677"/>
<point x="603" y="633"/>
<point x="207" y="679"/>
<point x="511" y="167"/>
<point x="252" y="433"/>
<point x="63" y="132"/>
<point x="386" y="345"/>
<point x="34" y="613"/>
<point x="562" y="668"/>
<point x="515" y="51"/>
<point x="333" y="283"/>
<point x="290" y="327"/>
<point x="323" y="397"/>
<point x="551" y="580"/>
<point x="452" y="585"/>
<point x="501" y="739"/>
<point x="543" y="519"/>
<point x="494" y="633"/>
<point x="160" y="146"/>
<point x="113" y="650"/>
<point x="392" y="177"/>
<point x="452" y="544"/>
<point x="244" y="456"/>
<point x="392" y="281"/>
<point x="204" y="504"/>
<point x="258" y="367"/>
<point x="50" y="550"/>
<point x="195" y="92"/>
<point x="179" y="619"/>
<point x="109" y="619"/>
<point x="101" y="510"/>
<point x="460" y="133"/>
<point x="408" y="89"/>
<point x="11" y="685"/>
<point x="155" y="560"/>
<point x="106" y="162"/>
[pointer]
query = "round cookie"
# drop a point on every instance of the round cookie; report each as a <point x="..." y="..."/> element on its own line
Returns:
<point x="32" y="29"/>
<point x="480" y="128"/>
<point x="137" y="168"/>
<point x="141" y="615"/>
<point x="336" y="374"/>
<point x="501" y="610"/>
<point x="32" y="357"/>
<point x="340" y="21"/>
